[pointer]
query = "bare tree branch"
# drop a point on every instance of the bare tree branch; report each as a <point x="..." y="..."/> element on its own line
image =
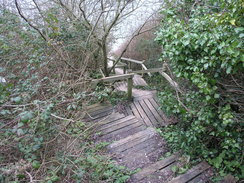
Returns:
<point x="30" y="24"/>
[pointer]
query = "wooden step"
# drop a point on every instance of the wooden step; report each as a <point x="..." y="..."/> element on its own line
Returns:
<point x="111" y="118"/>
<point x="132" y="140"/>
<point x="159" y="165"/>
<point x="191" y="174"/>
<point x="116" y="128"/>
<point x="117" y="122"/>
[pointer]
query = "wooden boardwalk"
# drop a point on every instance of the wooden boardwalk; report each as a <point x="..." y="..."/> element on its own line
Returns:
<point x="134" y="142"/>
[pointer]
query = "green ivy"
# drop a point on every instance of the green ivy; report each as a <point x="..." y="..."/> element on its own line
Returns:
<point x="204" y="48"/>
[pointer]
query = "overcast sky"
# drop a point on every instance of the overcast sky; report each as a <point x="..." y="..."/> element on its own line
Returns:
<point x="129" y="25"/>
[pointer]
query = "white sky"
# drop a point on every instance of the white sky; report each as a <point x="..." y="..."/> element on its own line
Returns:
<point x="126" y="28"/>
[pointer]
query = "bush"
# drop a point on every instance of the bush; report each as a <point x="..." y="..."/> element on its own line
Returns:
<point x="205" y="48"/>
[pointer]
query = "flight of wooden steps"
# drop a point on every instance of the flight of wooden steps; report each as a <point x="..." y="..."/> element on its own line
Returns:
<point x="137" y="146"/>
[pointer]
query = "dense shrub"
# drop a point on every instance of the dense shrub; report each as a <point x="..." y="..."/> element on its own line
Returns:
<point x="42" y="134"/>
<point x="204" y="48"/>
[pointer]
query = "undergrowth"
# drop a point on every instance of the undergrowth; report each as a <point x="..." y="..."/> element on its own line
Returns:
<point x="43" y="137"/>
<point x="203" y="48"/>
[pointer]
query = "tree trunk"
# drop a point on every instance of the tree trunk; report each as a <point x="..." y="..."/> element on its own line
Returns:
<point x="105" y="59"/>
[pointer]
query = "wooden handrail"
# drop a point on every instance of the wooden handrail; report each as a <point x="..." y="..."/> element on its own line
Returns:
<point x="147" y="71"/>
<point x="132" y="60"/>
<point x="129" y="78"/>
<point x="172" y="82"/>
<point x="101" y="71"/>
<point x="114" y="78"/>
<point x="145" y="68"/>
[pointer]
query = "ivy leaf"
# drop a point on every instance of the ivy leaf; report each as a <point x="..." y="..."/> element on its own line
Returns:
<point x="229" y="70"/>
<point x="241" y="35"/>
<point x="26" y="116"/>
<point x="233" y="22"/>
<point x="17" y="100"/>
<point x="216" y="95"/>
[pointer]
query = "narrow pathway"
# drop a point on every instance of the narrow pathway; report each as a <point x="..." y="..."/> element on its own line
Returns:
<point x="134" y="142"/>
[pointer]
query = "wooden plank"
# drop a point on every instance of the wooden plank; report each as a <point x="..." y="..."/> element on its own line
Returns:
<point x="135" y="111"/>
<point x="133" y="143"/>
<point x="132" y="60"/>
<point x="119" y="126"/>
<point x="155" y="167"/>
<point x="143" y="114"/>
<point x="192" y="173"/>
<point x="101" y="71"/>
<point x="115" y="122"/>
<point x="156" y="106"/>
<point x="111" y="118"/>
<point x="113" y="78"/>
<point x="148" y="113"/>
<point x="197" y="179"/>
<point x="123" y="130"/>
<point x="155" y="112"/>
<point x="146" y="71"/>
<point x="102" y="110"/>
<point x="172" y="82"/>
<point x="128" y="110"/>
<point x="135" y="81"/>
<point x="145" y="146"/>
<point x="147" y="96"/>
<point x="97" y="106"/>
<point x="149" y="131"/>
<point x="100" y="116"/>
<point x="146" y="143"/>
<point x="145" y="68"/>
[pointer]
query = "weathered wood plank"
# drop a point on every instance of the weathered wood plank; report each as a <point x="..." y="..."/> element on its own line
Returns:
<point x="128" y="110"/>
<point x="159" y="119"/>
<point x="114" y="78"/>
<point x="97" y="106"/>
<point x="123" y="129"/>
<point x="111" y="118"/>
<point x="192" y="173"/>
<point x="197" y="179"/>
<point x="132" y="144"/>
<point x="146" y="71"/>
<point x="119" y="126"/>
<point x="101" y="110"/>
<point x="145" y="146"/>
<point x="135" y="111"/>
<point x="155" y="167"/>
<point x="142" y="113"/>
<point x="99" y="116"/>
<point x="148" y="96"/>
<point x="111" y="124"/>
<point x="148" y="131"/>
<point x="124" y="132"/>
<point x="156" y="106"/>
<point x="148" y="113"/>
<point x="132" y="60"/>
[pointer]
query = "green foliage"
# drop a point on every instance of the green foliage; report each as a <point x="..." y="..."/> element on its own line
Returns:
<point x="40" y="115"/>
<point x="204" y="48"/>
<point x="104" y="93"/>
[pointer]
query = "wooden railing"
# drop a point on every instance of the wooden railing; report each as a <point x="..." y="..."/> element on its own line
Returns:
<point x="130" y="61"/>
<point x="129" y="78"/>
<point x="149" y="71"/>
<point x="130" y="74"/>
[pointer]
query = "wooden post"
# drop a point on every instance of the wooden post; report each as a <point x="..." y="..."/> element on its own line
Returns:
<point x="124" y="69"/>
<point x="130" y="86"/>
<point x="114" y="67"/>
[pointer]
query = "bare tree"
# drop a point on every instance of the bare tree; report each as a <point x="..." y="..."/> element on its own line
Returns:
<point x="100" y="18"/>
